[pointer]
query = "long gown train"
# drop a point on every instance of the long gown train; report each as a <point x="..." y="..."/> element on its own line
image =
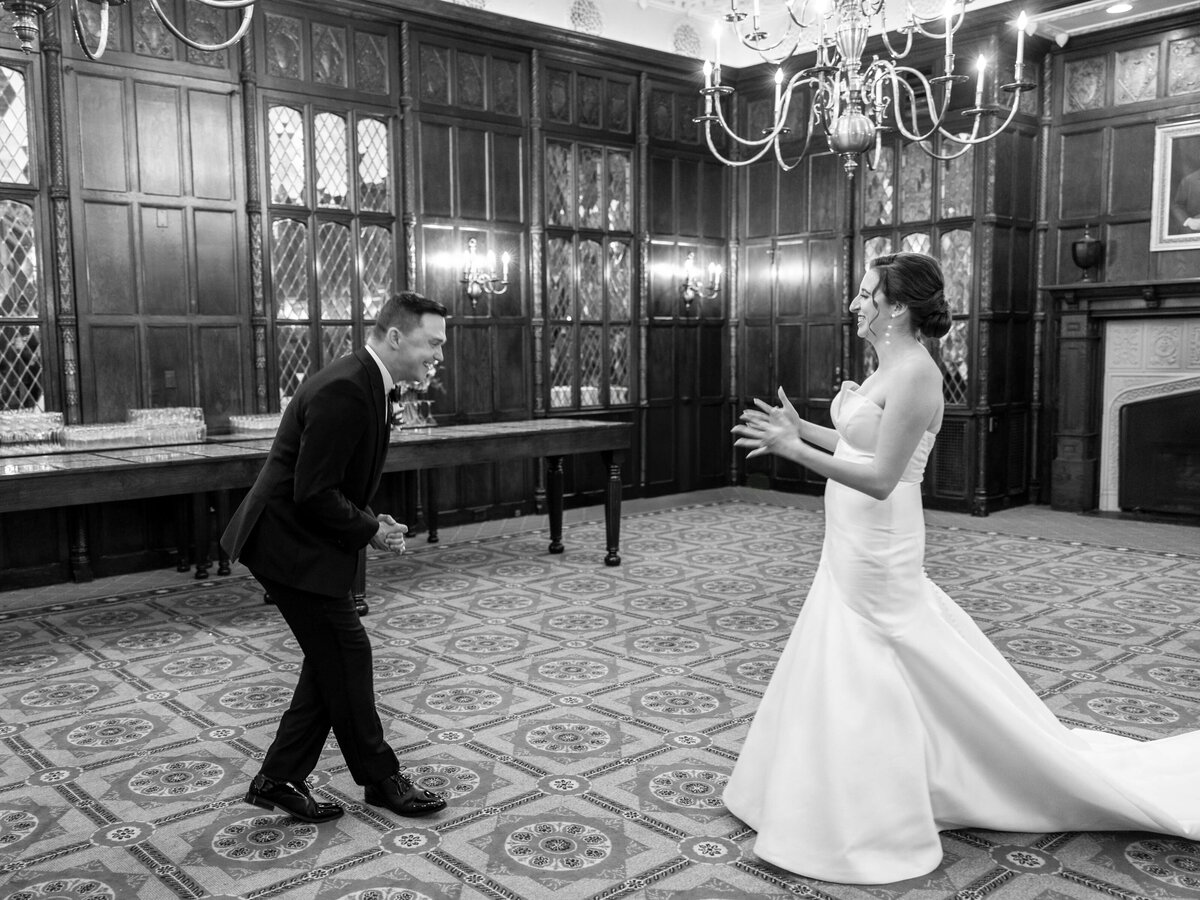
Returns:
<point x="890" y="716"/>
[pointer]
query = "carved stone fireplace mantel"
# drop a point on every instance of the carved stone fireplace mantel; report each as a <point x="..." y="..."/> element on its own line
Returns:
<point x="1083" y="310"/>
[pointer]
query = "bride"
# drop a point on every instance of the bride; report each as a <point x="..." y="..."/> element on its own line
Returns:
<point x="890" y="716"/>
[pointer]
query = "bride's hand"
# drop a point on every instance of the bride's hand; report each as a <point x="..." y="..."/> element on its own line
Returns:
<point x="765" y="429"/>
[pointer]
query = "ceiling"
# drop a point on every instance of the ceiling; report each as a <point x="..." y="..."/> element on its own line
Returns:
<point x="685" y="27"/>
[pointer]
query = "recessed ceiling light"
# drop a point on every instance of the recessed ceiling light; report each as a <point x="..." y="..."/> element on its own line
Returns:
<point x="1119" y="7"/>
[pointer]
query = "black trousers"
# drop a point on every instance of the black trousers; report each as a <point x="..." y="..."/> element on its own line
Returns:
<point x="336" y="690"/>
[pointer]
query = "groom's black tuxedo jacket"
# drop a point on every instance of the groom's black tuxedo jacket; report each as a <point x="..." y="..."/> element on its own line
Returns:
<point x="308" y="515"/>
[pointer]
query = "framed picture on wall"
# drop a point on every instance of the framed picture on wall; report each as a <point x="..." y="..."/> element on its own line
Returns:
<point x="1175" y="213"/>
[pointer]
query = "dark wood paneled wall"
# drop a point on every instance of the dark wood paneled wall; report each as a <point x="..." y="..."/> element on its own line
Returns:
<point x="1111" y="91"/>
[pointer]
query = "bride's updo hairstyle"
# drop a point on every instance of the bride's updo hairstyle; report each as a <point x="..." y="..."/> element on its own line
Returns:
<point x="915" y="281"/>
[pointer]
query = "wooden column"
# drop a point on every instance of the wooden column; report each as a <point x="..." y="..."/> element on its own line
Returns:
<point x="1076" y="463"/>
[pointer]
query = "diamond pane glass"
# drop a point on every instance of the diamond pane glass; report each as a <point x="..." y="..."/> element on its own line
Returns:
<point x="591" y="351"/>
<point x="374" y="166"/>
<point x="560" y="270"/>
<point x="954" y="363"/>
<point x="562" y="369"/>
<point x="876" y="246"/>
<point x="591" y="176"/>
<point x="620" y="290"/>
<point x="591" y="280"/>
<point x="294" y="361"/>
<point x="879" y="189"/>
<point x="915" y="242"/>
<point x="619" y="204"/>
<point x="335" y="342"/>
<point x="19" y="296"/>
<point x="378" y="269"/>
<point x="285" y="138"/>
<point x="21" y="367"/>
<point x="618" y="365"/>
<point x="916" y="180"/>
<point x="559" y="178"/>
<point x="289" y="268"/>
<point x="956" y="197"/>
<point x="334" y="265"/>
<point x="956" y="268"/>
<point x="14" y="128"/>
<point x="330" y="146"/>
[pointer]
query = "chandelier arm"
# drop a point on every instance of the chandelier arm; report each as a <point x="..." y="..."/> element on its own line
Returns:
<point x="974" y="140"/>
<point x="908" y="39"/>
<point x="764" y="141"/>
<point x="81" y="36"/>
<point x="228" y="4"/>
<point x="919" y="23"/>
<point x="726" y="160"/>
<point x="937" y="122"/>
<point x="247" y="15"/>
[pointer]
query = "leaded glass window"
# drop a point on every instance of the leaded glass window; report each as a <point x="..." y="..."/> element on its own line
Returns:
<point x="22" y="374"/>
<point x="914" y="203"/>
<point x="332" y="232"/>
<point x="589" y="274"/>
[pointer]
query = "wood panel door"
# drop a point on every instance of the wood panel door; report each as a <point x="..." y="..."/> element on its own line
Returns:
<point x="160" y="238"/>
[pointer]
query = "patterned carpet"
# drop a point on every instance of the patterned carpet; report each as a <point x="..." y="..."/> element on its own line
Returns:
<point x="582" y="720"/>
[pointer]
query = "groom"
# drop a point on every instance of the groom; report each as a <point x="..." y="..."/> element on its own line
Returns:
<point x="300" y="530"/>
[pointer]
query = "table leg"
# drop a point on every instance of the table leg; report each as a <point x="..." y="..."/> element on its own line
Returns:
<point x="81" y="564"/>
<point x="432" y="483"/>
<point x="612" y="508"/>
<point x="222" y="507"/>
<point x="183" y="532"/>
<point x="200" y="534"/>
<point x="554" y="500"/>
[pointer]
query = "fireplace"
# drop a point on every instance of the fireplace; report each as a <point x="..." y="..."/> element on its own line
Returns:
<point x="1160" y="455"/>
<point x="1132" y="345"/>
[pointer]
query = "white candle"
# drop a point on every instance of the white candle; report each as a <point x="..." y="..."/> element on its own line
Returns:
<point x="708" y="97"/>
<point x="949" y="29"/>
<point x="778" y="92"/>
<point x="981" y="66"/>
<point x="717" y="40"/>
<point x="504" y="261"/>
<point x="1022" y="19"/>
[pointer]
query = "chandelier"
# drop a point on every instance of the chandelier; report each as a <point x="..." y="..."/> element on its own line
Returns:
<point x="853" y="102"/>
<point x="28" y="13"/>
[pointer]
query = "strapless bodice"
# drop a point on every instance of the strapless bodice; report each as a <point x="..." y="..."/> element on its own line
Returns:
<point x="857" y="419"/>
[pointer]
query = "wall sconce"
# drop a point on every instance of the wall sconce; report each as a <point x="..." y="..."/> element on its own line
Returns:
<point x="692" y="287"/>
<point x="480" y="276"/>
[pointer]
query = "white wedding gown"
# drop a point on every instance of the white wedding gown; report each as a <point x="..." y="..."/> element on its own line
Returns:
<point x="890" y="716"/>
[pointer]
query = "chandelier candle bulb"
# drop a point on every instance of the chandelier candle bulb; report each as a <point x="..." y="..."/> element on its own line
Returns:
<point x="505" y="259"/>
<point x="778" y="91"/>
<point x="717" y="41"/>
<point x="949" y="34"/>
<point x="1022" y="19"/>
<point x="981" y="68"/>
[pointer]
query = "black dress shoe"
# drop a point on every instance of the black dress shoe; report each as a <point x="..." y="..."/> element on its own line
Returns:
<point x="403" y="797"/>
<point x="292" y="798"/>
